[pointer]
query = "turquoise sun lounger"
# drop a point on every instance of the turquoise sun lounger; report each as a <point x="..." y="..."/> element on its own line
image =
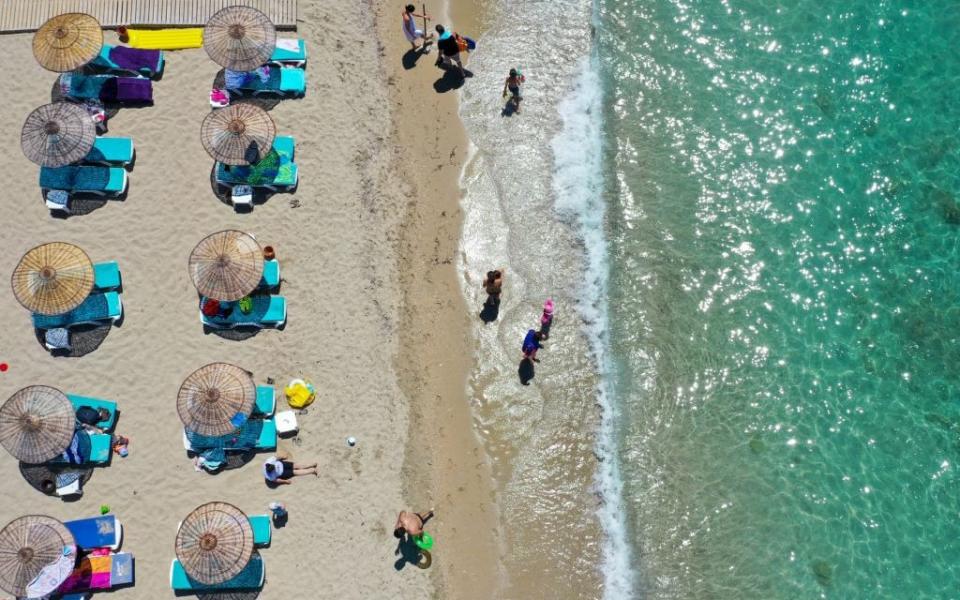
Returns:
<point x="250" y="578"/>
<point x="271" y="275"/>
<point x="268" y="436"/>
<point x="289" y="53"/>
<point x="95" y="309"/>
<point x="106" y="276"/>
<point x="282" y="172"/>
<point x="110" y="151"/>
<point x="102" y="181"/>
<point x="262" y="529"/>
<point x="283" y="82"/>
<point x="266" y="402"/>
<point x="268" y="311"/>
<point x="121" y="60"/>
<point x="96" y="403"/>
<point x="101" y="447"/>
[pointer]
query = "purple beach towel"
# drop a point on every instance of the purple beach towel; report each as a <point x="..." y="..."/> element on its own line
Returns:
<point x="127" y="89"/>
<point x="135" y="59"/>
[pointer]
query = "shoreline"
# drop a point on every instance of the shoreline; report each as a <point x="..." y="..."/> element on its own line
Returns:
<point x="445" y="463"/>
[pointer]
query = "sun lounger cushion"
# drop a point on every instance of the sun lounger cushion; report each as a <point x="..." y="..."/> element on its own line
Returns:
<point x="250" y="578"/>
<point x="165" y="39"/>
<point x="108" y="88"/>
<point x="101" y="447"/>
<point x="106" y="276"/>
<point x="120" y="59"/>
<point x="96" y="403"/>
<point x="268" y="436"/>
<point x="103" y="531"/>
<point x="97" y="307"/>
<point x="271" y="274"/>
<point x="266" y="401"/>
<point x="275" y="170"/>
<point x="289" y="51"/>
<point x="279" y="81"/>
<point x="102" y="572"/>
<point x="107" y="180"/>
<point x="261" y="529"/>
<point x="268" y="311"/>
<point x="110" y="151"/>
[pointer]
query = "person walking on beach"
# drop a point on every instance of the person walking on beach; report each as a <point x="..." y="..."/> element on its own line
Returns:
<point x="449" y="49"/>
<point x="546" y="319"/>
<point x="412" y="33"/>
<point x="531" y="343"/>
<point x="280" y="472"/>
<point x="410" y="523"/>
<point x="493" y="285"/>
<point x="514" y="79"/>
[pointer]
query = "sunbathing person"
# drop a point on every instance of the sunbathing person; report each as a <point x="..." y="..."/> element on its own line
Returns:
<point x="280" y="472"/>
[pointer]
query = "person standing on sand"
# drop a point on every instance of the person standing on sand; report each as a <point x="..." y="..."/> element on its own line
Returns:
<point x="449" y="50"/>
<point x="280" y="472"/>
<point x="493" y="285"/>
<point x="412" y="33"/>
<point x="410" y="523"/>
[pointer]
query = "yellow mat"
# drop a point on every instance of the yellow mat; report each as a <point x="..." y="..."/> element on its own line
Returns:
<point x="165" y="39"/>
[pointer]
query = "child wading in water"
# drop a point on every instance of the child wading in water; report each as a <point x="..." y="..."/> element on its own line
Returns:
<point x="513" y="85"/>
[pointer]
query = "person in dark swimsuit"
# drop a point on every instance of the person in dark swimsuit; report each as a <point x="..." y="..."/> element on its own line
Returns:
<point x="280" y="472"/>
<point x="513" y="85"/>
<point x="493" y="285"/>
<point x="410" y="523"/>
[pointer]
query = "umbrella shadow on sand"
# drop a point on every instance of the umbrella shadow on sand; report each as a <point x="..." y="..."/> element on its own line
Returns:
<point x="84" y="339"/>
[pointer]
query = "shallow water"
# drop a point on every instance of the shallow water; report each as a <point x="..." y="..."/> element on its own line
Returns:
<point x="782" y="220"/>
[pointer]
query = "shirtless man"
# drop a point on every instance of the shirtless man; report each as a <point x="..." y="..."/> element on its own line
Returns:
<point x="493" y="285"/>
<point x="410" y="523"/>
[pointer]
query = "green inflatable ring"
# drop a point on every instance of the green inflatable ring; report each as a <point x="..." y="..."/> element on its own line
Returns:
<point x="423" y="541"/>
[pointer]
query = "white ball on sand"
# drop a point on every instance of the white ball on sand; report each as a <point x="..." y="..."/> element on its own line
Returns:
<point x="351" y="441"/>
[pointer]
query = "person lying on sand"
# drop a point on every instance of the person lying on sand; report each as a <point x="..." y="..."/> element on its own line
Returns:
<point x="281" y="471"/>
<point x="410" y="523"/>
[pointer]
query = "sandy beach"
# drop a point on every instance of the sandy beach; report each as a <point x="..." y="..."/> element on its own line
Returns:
<point x="376" y="318"/>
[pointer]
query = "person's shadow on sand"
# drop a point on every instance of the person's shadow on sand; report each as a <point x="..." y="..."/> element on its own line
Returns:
<point x="451" y="79"/>
<point x="410" y="553"/>
<point x="490" y="312"/>
<point x="526" y="371"/>
<point x="508" y="110"/>
<point x="411" y="57"/>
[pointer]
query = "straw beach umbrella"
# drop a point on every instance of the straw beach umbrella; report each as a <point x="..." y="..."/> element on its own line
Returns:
<point x="239" y="38"/>
<point x="36" y="424"/>
<point x="240" y="134"/>
<point x="57" y="134"/>
<point x="226" y="265"/>
<point x="36" y="555"/>
<point x="215" y="542"/>
<point x="216" y="399"/>
<point x="67" y="42"/>
<point x="53" y="278"/>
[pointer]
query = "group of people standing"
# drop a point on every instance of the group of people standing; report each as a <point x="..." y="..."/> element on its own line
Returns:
<point x="450" y="45"/>
<point x="533" y="340"/>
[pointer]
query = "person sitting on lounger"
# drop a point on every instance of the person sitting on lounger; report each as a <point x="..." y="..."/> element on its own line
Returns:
<point x="280" y="472"/>
<point x="88" y="417"/>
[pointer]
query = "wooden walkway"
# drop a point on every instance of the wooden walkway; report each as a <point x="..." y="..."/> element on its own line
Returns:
<point x="27" y="15"/>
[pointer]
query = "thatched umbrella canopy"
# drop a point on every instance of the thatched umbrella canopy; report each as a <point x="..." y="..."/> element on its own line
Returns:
<point x="215" y="542"/>
<point x="239" y="38"/>
<point x="57" y="134"/>
<point x="33" y="545"/>
<point x="226" y="265"/>
<point x="53" y="278"/>
<point x="240" y="134"/>
<point x="36" y="424"/>
<point x="67" y="42"/>
<point x="216" y="399"/>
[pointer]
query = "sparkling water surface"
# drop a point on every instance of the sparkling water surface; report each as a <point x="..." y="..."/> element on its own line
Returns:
<point x="783" y="222"/>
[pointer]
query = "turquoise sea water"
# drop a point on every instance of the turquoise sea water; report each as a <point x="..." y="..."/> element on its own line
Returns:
<point x="782" y="192"/>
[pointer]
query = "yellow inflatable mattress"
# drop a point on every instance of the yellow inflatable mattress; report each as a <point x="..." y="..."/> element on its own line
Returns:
<point x="165" y="39"/>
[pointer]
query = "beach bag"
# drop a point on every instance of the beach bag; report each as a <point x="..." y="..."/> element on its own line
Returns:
<point x="246" y="305"/>
<point x="461" y="42"/>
